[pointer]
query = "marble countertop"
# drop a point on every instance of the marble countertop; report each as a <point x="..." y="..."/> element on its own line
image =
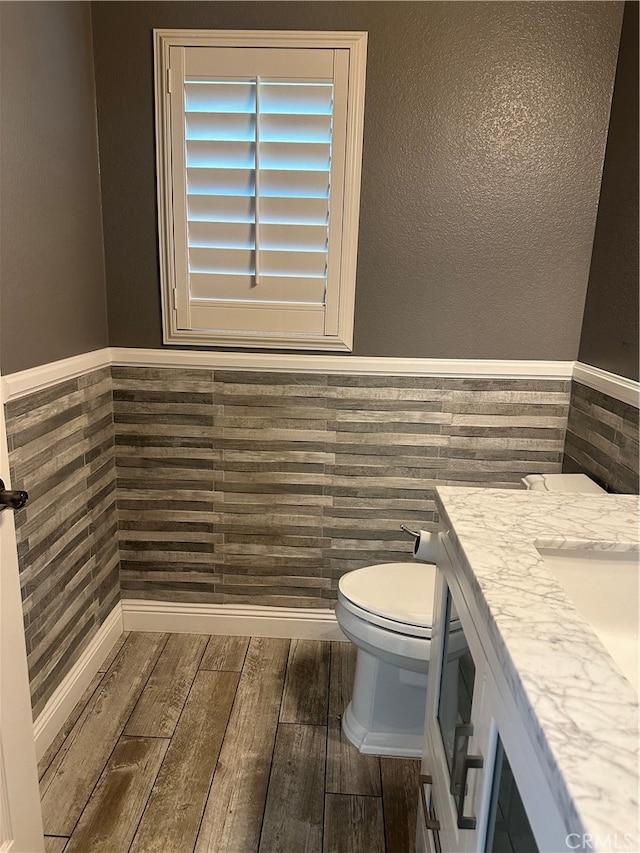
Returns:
<point x="581" y="711"/>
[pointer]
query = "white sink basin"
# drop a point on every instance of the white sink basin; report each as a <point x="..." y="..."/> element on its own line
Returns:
<point x="603" y="586"/>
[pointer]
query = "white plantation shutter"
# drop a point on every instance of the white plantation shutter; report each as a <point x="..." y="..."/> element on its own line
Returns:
<point x="259" y="149"/>
<point x="258" y="159"/>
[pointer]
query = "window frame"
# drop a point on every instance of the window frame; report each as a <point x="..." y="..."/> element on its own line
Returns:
<point x="344" y="301"/>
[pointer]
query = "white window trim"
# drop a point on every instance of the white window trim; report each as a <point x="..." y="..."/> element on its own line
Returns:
<point x="356" y="43"/>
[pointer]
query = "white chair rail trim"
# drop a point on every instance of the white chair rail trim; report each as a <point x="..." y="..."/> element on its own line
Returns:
<point x="16" y="385"/>
<point x="25" y="382"/>
<point x="626" y="390"/>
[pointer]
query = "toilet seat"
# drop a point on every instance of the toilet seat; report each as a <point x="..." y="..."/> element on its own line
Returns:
<point x="395" y="596"/>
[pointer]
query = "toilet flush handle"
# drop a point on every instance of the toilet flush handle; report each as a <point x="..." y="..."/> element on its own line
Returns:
<point x="426" y="545"/>
<point x="414" y="533"/>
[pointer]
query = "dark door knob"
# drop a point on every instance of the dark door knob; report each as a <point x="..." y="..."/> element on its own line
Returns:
<point x="12" y="499"/>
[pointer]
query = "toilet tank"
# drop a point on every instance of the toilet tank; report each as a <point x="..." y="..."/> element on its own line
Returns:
<point x="576" y="483"/>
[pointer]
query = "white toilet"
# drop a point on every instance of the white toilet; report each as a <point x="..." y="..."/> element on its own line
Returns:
<point x="386" y="611"/>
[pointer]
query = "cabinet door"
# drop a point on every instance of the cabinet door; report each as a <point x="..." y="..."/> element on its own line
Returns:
<point x="454" y="700"/>
<point x="508" y="826"/>
<point x="489" y="791"/>
<point x="522" y="815"/>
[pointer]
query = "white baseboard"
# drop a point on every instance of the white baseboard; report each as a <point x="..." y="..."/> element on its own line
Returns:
<point x="69" y="691"/>
<point x="304" y="623"/>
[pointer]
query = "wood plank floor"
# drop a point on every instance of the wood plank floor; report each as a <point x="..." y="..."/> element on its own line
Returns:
<point x="187" y="743"/>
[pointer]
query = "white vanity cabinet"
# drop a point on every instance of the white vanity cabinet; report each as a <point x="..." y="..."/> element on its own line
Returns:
<point x="483" y="788"/>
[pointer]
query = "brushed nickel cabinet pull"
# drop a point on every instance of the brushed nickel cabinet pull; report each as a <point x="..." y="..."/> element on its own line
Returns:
<point x="430" y="822"/>
<point x="462" y="730"/>
<point x="470" y="762"/>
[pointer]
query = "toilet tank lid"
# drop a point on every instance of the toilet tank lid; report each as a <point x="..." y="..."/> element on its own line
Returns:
<point x="575" y="483"/>
<point x="402" y="592"/>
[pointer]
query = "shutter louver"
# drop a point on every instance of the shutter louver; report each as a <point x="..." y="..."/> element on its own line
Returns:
<point x="258" y="161"/>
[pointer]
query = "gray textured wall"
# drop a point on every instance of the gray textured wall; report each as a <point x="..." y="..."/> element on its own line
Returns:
<point x="485" y="133"/>
<point x="610" y="326"/>
<point x="52" y="287"/>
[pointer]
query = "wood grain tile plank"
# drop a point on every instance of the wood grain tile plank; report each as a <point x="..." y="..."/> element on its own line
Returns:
<point x="348" y="771"/>
<point x="50" y="761"/>
<point x="98" y="731"/>
<point x="54" y="843"/>
<point x="234" y="810"/>
<point x="294" y="811"/>
<point x="225" y="653"/>
<point x="353" y="824"/>
<point x="306" y="687"/>
<point x="172" y="817"/>
<point x="400" y="791"/>
<point x="109" y="821"/>
<point x="162" y="700"/>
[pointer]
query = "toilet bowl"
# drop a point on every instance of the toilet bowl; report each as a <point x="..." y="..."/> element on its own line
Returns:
<point x="386" y="612"/>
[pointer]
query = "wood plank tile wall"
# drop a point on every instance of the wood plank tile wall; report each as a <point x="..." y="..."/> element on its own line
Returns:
<point x="264" y="488"/>
<point x="602" y="439"/>
<point x="61" y="450"/>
